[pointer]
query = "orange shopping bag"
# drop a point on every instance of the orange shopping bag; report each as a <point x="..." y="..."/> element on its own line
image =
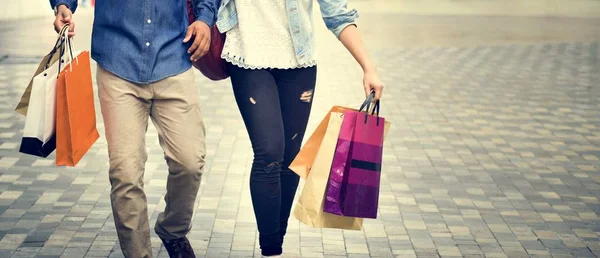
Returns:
<point x="75" y="112"/>
<point x="303" y="162"/>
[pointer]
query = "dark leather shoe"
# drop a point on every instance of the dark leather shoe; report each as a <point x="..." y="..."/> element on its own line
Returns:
<point x="179" y="248"/>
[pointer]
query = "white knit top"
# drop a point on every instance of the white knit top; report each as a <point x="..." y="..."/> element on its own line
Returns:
<point x="262" y="38"/>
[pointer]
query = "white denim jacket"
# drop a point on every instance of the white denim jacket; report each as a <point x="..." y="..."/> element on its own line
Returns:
<point x="335" y="13"/>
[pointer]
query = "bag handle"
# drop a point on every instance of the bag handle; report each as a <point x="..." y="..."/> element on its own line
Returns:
<point x="67" y="44"/>
<point x="375" y="111"/>
<point x="57" y="46"/>
<point x="367" y="104"/>
<point x="70" y="45"/>
<point x="62" y="49"/>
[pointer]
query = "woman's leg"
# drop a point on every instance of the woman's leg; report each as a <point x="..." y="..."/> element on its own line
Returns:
<point x="258" y="100"/>
<point x="296" y="89"/>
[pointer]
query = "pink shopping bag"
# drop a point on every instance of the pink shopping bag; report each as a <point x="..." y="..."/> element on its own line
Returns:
<point x="353" y="185"/>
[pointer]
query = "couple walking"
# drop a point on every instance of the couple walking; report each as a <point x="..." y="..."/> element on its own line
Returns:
<point x="144" y="50"/>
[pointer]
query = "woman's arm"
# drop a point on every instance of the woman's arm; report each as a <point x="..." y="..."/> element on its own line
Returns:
<point x="351" y="39"/>
<point x="341" y="21"/>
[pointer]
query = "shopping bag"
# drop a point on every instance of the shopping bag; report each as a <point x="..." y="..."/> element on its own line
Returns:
<point x="76" y="130"/>
<point x="304" y="160"/>
<point x="309" y="207"/>
<point x="47" y="61"/>
<point x="333" y="193"/>
<point x="361" y="189"/>
<point x="39" y="133"/>
<point x="354" y="180"/>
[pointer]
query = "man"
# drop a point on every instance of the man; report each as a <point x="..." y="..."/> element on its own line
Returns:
<point x="144" y="50"/>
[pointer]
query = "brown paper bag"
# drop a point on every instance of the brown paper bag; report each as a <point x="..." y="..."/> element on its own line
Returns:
<point x="304" y="160"/>
<point x="309" y="208"/>
<point x="46" y="62"/>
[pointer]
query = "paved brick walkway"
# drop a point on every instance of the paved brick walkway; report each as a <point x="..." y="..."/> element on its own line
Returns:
<point x="494" y="152"/>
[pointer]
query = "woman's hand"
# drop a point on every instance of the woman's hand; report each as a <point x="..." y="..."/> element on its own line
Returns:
<point x="351" y="39"/>
<point x="372" y="83"/>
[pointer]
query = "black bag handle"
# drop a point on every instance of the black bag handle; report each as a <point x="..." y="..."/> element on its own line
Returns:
<point x="375" y="111"/>
<point x="57" y="46"/>
<point x="367" y="104"/>
<point x="60" y="58"/>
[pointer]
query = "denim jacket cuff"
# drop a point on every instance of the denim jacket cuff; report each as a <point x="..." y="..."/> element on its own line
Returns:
<point x="338" y="31"/>
<point x="337" y="23"/>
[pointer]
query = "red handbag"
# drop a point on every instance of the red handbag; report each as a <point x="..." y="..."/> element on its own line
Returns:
<point x="211" y="64"/>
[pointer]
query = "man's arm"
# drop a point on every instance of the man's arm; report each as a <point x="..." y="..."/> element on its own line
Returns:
<point x="206" y="11"/>
<point x="70" y="4"/>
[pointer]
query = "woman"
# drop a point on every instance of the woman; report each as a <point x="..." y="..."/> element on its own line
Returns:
<point x="270" y="48"/>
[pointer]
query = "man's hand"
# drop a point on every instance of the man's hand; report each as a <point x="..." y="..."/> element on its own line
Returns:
<point x="201" y="33"/>
<point x="64" y="16"/>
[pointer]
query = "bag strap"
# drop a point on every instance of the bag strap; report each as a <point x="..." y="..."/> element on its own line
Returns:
<point x="70" y="45"/>
<point x="375" y="111"/>
<point x="62" y="48"/>
<point x="367" y="104"/>
<point x="67" y="44"/>
<point x="57" y="46"/>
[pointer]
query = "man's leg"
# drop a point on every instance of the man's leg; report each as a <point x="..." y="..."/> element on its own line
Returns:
<point x="178" y="120"/>
<point x="125" y="109"/>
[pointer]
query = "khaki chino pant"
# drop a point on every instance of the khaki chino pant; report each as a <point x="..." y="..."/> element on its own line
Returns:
<point x="172" y="104"/>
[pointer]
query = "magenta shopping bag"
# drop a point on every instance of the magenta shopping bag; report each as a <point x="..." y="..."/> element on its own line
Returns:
<point x="333" y="192"/>
<point x="353" y="185"/>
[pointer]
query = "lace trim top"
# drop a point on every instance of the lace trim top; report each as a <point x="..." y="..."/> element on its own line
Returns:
<point x="262" y="39"/>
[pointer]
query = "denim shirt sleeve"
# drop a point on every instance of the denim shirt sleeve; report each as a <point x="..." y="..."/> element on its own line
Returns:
<point x="336" y="15"/>
<point x="71" y="4"/>
<point x="206" y="11"/>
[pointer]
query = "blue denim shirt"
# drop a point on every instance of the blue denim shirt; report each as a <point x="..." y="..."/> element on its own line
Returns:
<point x="142" y="40"/>
<point x="335" y="13"/>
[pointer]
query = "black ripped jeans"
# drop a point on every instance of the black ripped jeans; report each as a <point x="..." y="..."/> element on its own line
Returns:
<point x="275" y="105"/>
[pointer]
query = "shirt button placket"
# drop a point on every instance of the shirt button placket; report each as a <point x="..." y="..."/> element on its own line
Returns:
<point x="147" y="33"/>
<point x="148" y="21"/>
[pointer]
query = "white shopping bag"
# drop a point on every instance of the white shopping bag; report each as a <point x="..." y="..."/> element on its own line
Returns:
<point x="40" y="125"/>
